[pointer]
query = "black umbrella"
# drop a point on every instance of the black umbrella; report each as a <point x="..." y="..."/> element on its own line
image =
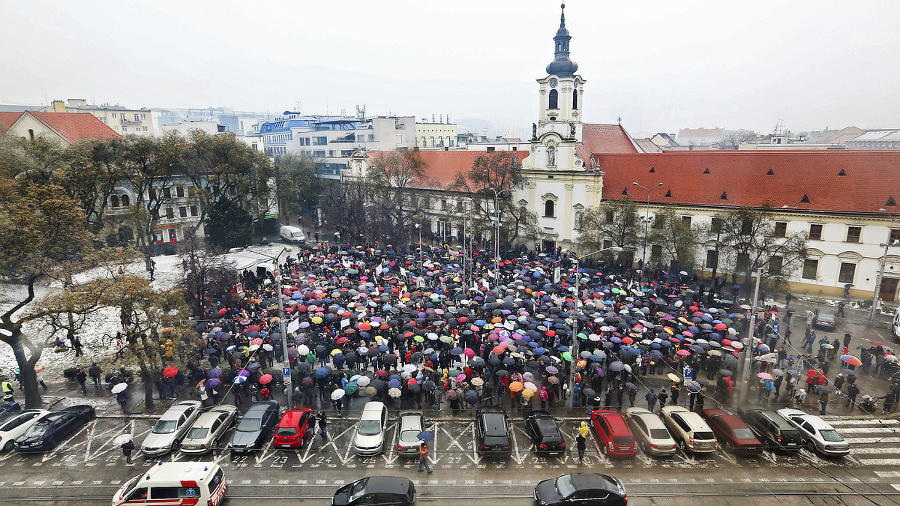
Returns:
<point x="725" y="372"/>
<point x="589" y="392"/>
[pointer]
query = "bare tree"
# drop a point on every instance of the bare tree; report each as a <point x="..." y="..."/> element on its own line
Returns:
<point x="612" y="223"/>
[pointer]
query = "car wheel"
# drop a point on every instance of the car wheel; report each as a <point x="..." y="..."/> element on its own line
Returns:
<point x="811" y="445"/>
<point x="8" y="446"/>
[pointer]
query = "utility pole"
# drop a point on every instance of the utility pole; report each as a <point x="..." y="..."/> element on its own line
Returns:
<point x="748" y="348"/>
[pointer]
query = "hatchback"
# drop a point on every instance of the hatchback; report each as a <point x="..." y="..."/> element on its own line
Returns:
<point x="412" y="423"/>
<point x="651" y="434"/>
<point x="616" y="439"/>
<point x="772" y="429"/>
<point x="691" y="432"/>
<point x="208" y="428"/>
<point x="293" y="428"/>
<point x="544" y="432"/>
<point x="377" y="491"/>
<point x="369" y="438"/>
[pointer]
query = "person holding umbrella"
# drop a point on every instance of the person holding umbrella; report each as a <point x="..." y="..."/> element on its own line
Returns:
<point x="423" y="457"/>
<point x="126" y="442"/>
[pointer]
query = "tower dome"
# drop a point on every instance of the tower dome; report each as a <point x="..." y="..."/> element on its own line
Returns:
<point x="561" y="65"/>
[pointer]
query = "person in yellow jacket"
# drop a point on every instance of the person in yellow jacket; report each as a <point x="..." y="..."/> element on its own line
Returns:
<point x="7" y="390"/>
<point x="584" y="430"/>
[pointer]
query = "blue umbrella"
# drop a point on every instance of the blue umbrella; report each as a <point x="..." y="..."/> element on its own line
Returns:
<point x="253" y="366"/>
<point x="471" y="397"/>
<point x="213" y="382"/>
<point x="322" y="372"/>
<point x="214" y="373"/>
<point x="394" y="384"/>
<point x="426" y="435"/>
<point x="239" y="379"/>
<point x="540" y="351"/>
<point x="456" y="351"/>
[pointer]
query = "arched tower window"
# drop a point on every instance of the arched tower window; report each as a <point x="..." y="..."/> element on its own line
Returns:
<point x="124" y="200"/>
<point x="574" y="99"/>
<point x="549" y="209"/>
<point x="554" y="99"/>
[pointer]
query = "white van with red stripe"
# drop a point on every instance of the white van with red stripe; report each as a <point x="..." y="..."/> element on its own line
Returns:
<point x="175" y="483"/>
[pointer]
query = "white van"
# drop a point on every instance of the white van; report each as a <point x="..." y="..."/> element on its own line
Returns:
<point x="292" y="234"/>
<point x="175" y="483"/>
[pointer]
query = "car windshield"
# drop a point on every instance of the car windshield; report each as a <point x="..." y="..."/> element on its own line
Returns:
<point x="564" y="485"/>
<point x="38" y="429"/>
<point x="743" y="433"/>
<point x="659" y="434"/>
<point x="287" y="431"/>
<point x="198" y="433"/>
<point x="165" y="426"/>
<point x="831" y="436"/>
<point x="249" y="424"/>
<point x="409" y="436"/>
<point x="369" y="427"/>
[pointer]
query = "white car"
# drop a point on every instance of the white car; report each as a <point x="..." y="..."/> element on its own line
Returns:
<point x="16" y="425"/>
<point x="170" y="428"/>
<point x="412" y="423"/>
<point x="369" y="438"/>
<point x="208" y="428"/>
<point x="819" y="436"/>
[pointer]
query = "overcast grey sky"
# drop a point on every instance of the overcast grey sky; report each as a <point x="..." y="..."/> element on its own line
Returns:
<point x="660" y="65"/>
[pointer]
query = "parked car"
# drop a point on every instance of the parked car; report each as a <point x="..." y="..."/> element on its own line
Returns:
<point x="170" y="428"/>
<point x="580" y="488"/>
<point x="544" y="432"/>
<point x="616" y="439"/>
<point x="492" y="432"/>
<point x="732" y="433"/>
<point x="819" y="435"/>
<point x="824" y="321"/>
<point x="377" y="490"/>
<point x="208" y="428"/>
<point x="50" y="429"/>
<point x="293" y="428"/>
<point x="16" y="425"/>
<point x="772" y="429"/>
<point x="690" y="432"/>
<point x="254" y="428"/>
<point x="411" y="424"/>
<point x="175" y="483"/>
<point x="651" y="434"/>
<point x="369" y="438"/>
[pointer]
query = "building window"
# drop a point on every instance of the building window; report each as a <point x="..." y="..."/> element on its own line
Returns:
<point x="575" y="99"/>
<point x="194" y="211"/>
<point x="609" y="216"/>
<point x="443" y="205"/>
<point x="712" y="259"/>
<point x="167" y="193"/>
<point x="746" y="227"/>
<point x="155" y="214"/>
<point x="549" y="209"/>
<point x="114" y="201"/>
<point x="895" y="235"/>
<point x="743" y="262"/>
<point x="780" y="229"/>
<point x="686" y="220"/>
<point x="775" y="265"/>
<point x="655" y="254"/>
<point x="716" y="225"/>
<point x="853" y="234"/>
<point x="490" y="149"/>
<point x="124" y="201"/>
<point x="320" y="141"/>
<point x="143" y="116"/>
<point x="137" y="118"/>
<point x="31" y="133"/>
<point x="810" y="268"/>
<point x="179" y="190"/>
<point x="658" y="221"/>
<point x="182" y="211"/>
<point x="144" y="129"/>
<point x="170" y="213"/>
<point x="846" y="273"/>
<point x="172" y="236"/>
<point x="815" y="232"/>
<point x="554" y="99"/>
<point x="459" y="206"/>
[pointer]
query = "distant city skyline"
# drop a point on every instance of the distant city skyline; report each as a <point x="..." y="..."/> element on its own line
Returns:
<point x="659" y="67"/>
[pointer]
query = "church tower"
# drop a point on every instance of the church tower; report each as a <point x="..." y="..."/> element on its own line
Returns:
<point x="559" y="127"/>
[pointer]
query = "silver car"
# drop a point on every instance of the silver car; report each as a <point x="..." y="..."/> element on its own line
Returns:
<point x="170" y="428"/>
<point x="820" y="437"/>
<point x="651" y="434"/>
<point x="208" y="428"/>
<point x="411" y="424"/>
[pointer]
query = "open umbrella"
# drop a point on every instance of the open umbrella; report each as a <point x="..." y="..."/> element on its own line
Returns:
<point x="764" y="376"/>
<point x="725" y="372"/>
<point x="119" y="387"/>
<point x="265" y="379"/>
<point x="122" y="439"/>
<point x="425" y="435"/>
<point x="851" y="360"/>
<point x="338" y="393"/>
<point x="674" y="377"/>
<point x="239" y="379"/>
<point x="170" y="371"/>
<point x="213" y="382"/>
<point x="516" y="386"/>
<point x="394" y="392"/>
<point x="471" y="397"/>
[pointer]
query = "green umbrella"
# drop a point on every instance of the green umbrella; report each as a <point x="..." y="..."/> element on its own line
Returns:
<point x="419" y="339"/>
<point x="351" y="387"/>
<point x="582" y="335"/>
<point x="567" y="356"/>
<point x="446" y="339"/>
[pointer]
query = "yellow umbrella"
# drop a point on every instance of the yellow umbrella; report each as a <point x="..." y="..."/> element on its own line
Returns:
<point x="317" y="319"/>
<point x="674" y="377"/>
<point x="528" y="393"/>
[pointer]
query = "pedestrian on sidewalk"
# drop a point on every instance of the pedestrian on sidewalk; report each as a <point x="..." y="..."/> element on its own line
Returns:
<point x="39" y="377"/>
<point x="676" y="391"/>
<point x="127" y="448"/>
<point x="662" y="396"/>
<point x="323" y="425"/>
<point x="423" y="457"/>
<point x="81" y="376"/>
<point x="122" y="399"/>
<point x="95" y="373"/>
<point x="651" y="400"/>
<point x="581" y="444"/>
<point x="7" y="390"/>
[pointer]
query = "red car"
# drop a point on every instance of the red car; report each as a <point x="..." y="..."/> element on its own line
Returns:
<point x="732" y="433"/>
<point x="293" y="428"/>
<point x="616" y="438"/>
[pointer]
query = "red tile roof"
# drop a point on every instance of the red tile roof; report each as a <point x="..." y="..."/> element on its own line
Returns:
<point x="597" y="138"/>
<point x="71" y="126"/>
<point x="748" y="178"/>
<point x="442" y="167"/>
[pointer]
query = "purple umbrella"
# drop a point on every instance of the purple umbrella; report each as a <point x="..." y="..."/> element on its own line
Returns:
<point x="214" y="373"/>
<point x="245" y="373"/>
<point x="212" y="382"/>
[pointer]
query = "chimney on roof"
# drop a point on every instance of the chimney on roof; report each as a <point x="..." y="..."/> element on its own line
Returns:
<point x="58" y="106"/>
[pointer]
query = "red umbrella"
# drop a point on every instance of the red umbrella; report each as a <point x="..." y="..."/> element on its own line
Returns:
<point x="245" y="322"/>
<point x="381" y="373"/>
<point x="222" y="311"/>
<point x="170" y="371"/>
<point x="265" y="379"/>
<point x="627" y="340"/>
<point x="341" y="340"/>
<point x="721" y="326"/>
<point x="256" y="341"/>
<point x="364" y="326"/>
<point x="253" y="328"/>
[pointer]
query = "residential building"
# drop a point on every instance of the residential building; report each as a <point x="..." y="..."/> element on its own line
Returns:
<point x="63" y="127"/>
<point x="122" y="120"/>
<point x="436" y="135"/>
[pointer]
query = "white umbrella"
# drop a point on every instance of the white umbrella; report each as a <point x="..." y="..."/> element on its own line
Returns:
<point x="303" y="349"/>
<point x="394" y="392"/>
<point x="409" y="368"/>
<point x="267" y="347"/>
<point x="119" y="387"/>
<point x="121" y="439"/>
<point x="531" y="386"/>
<point x="338" y="394"/>
<point x="363" y="381"/>
<point x="254" y="347"/>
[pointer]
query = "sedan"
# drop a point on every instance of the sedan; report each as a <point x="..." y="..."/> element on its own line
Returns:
<point x="652" y="436"/>
<point x="732" y="433"/>
<point x="254" y="427"/>
<point x="616" y="439"/>
<point x="377" y="490"/>
<point x="580" y="488"/>
<point x="544" y="432"/>
<point x="15" y="426"/>
<point x="293" y="428"/>
<point x="52" y="428"/>
<point x="820" y="437"/>
<point x="824" y="321"/>
<point x="170" y="428"/>
<point x="412" y="423"/>
<point x="208" y="428"/>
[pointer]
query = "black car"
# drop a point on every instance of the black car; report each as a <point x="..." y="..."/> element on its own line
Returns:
<point x="544" y="433"/>
<point x="492" y="432"/>
<point x="772" y="429"/>
<point x="378" y="491"/>
<point x="580" y="488"/>
<point x="255" y="427"/>
<point x="53" y="428"/>
<point x="824" y="321"/>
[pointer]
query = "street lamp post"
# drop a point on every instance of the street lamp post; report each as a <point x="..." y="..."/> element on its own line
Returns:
<point x="748" y="349"/>
<point x="880" y="277"/>
<point x="646" y="218"/>
<point x="574" y="349"/>
<point x="497" y="234"/>
<point x="284" y="345"/>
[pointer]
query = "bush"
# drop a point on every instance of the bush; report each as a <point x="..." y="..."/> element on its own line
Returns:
<point x="69" y="373"/>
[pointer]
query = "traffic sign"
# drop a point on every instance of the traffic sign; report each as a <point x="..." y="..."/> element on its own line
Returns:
<point x="286" y="371"/>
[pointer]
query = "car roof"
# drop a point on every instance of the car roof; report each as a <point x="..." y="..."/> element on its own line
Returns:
<point x="176" y="410"/>
<point x="175" y="472"/>
<point x="206" y="419"/>
<point x="651" y="420"/>
<point x="593" y="481"/>
<point x="813" y="420"/>
<point x="388" y="485"/>
<point x="774" y="416"/>
<point x="257" y="409"/>
<point x="616" y="421"/>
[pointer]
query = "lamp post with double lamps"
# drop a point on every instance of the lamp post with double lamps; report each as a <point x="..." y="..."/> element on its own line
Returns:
<point x="887" y="244"/>
<point x="284" y="344"/>
<point x="574" y="348"/>
<point x="497" y="232"/>
<point x="646" y="218"/>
